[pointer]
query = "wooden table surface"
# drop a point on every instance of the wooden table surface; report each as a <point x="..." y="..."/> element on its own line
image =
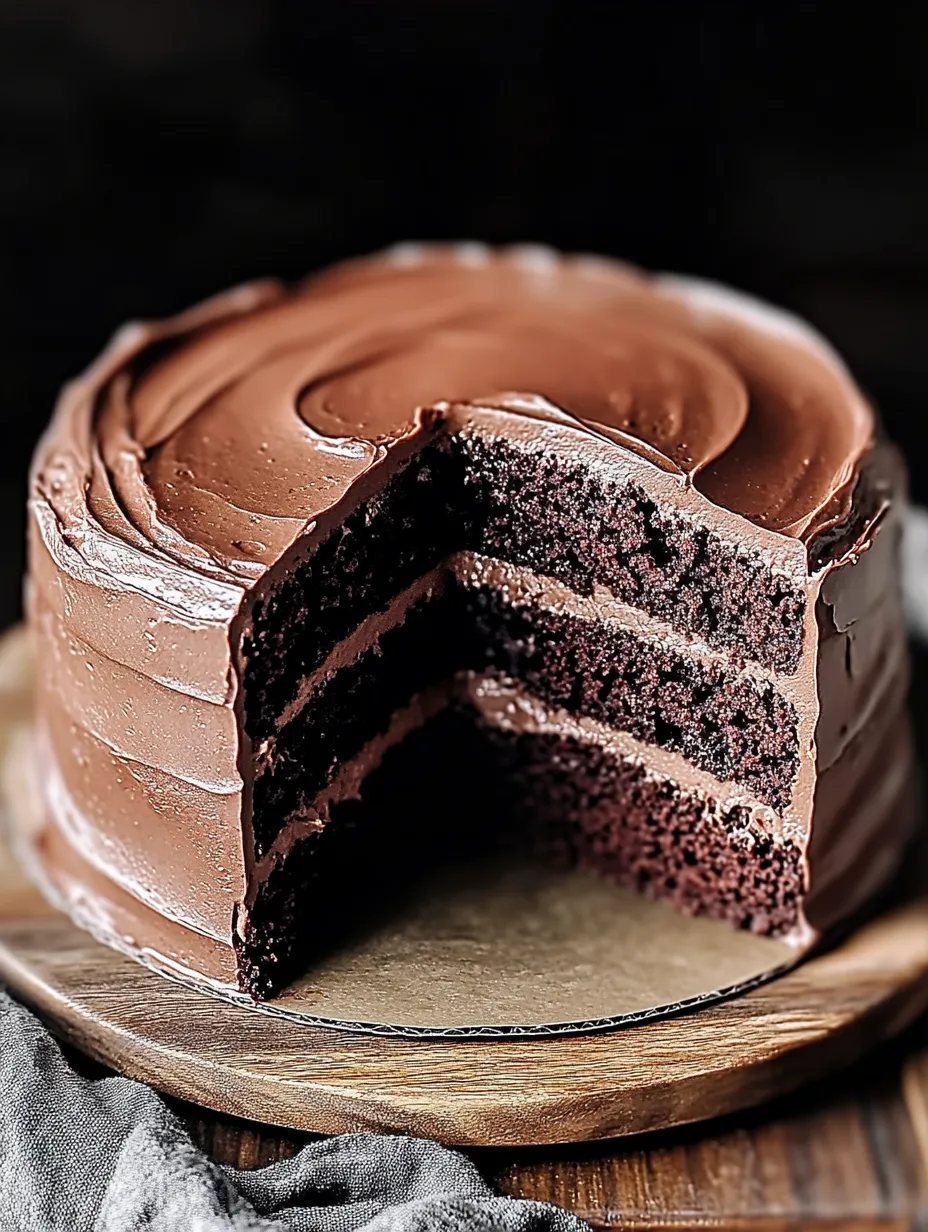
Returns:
<point x="850" y="1153"/>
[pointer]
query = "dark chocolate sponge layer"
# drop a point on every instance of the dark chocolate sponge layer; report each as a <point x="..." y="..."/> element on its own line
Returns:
<point x="563" y="521"/>
<point x="336" y="882"/>
<point x="591" y="809"/>
<point x="733" y="727"/>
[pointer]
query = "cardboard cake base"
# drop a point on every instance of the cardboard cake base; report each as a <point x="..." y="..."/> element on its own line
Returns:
<point x="502" y="949"/>
<point x="490" y="952"/>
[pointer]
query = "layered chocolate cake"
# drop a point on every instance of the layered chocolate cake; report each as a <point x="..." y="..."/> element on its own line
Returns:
<point x="462" y="547"/>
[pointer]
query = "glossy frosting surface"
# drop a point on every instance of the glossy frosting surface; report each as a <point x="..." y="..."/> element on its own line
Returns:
<point x="213" y="441"/>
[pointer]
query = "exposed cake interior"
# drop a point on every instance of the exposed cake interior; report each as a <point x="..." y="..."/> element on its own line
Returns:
<point x="467" y="492"/>
<point x="580" y="672"/>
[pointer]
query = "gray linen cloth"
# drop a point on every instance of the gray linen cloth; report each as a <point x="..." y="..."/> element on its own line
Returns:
<point x="78" y="1155"/>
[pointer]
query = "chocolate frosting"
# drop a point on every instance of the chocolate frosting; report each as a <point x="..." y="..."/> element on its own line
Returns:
<point x="185" y="469"/>
<point x="213" y="441"/>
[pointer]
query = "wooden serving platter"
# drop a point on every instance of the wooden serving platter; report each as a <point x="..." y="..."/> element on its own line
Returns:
<point x="234" y="1060"/>
<point x="294" y="1073"/>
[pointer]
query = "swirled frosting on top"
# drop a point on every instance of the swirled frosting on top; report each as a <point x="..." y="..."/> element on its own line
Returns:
<point x="214" y="440"/>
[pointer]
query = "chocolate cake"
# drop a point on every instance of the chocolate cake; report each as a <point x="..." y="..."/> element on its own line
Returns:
<point x="453" y="547"/>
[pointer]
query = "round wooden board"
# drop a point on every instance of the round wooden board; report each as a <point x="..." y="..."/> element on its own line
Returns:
<point x="468" y="1092"/>
<point x="480" y="1092"/>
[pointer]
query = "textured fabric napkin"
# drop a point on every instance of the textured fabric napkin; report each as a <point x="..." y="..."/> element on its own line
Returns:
<point x="108" y="1156"/>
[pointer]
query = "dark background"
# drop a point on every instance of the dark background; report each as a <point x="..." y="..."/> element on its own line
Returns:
<point x="153" y="151"/>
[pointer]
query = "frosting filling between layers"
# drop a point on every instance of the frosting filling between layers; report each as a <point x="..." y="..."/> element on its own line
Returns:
<point x="714" y="715"/>
<point x="349" y="778"/>
<point x="520" y="587"/>
<point x="504" y="704"/>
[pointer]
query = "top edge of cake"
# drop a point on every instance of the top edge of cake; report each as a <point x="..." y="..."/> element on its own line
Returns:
<point x="192" y="456"/>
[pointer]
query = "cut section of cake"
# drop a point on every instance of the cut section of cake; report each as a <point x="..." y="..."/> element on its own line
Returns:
<point x="605" y="561"/>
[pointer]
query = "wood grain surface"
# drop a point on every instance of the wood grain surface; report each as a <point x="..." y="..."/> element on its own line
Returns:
<point x="846" y="1152"/>
<point x="244" y="1063"/>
